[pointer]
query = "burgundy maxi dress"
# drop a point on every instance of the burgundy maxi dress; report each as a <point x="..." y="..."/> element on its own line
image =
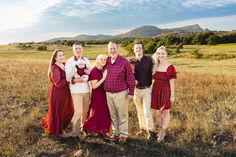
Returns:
<point x="60" y="104"/>
<point x="99" y="120"/>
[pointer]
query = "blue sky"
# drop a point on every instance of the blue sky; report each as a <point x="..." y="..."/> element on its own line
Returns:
<point x="39" y="20"/>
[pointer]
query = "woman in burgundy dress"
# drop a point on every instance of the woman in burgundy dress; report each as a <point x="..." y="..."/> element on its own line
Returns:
<point x="60" y="106"/>
<point x="163" y="89"/>
<point x="99" y="121"/>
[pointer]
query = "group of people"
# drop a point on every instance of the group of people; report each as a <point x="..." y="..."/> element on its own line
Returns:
<point x="115" y="81"/>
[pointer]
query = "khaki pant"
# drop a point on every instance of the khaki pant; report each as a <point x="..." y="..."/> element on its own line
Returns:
<point x="81" y="108"/>
<point x="142" y="100"/>
<point x="118" y="107"/>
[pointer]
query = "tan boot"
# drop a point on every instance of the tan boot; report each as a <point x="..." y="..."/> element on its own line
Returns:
<point x="161" y="135"/>
<point x="141" y="133"/>
<point x="82" y="135"/>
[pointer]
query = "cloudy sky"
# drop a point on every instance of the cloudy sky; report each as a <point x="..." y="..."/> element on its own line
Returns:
<point x="38" y="20"/>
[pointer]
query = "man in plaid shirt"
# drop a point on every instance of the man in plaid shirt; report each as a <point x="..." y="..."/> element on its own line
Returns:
<point x="119" y="86"/>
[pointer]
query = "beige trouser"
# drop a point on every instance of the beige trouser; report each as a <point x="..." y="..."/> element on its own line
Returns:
<point x="118" y="107"/>
<point x="142" y="100"/>
<point x="81" y="108"/>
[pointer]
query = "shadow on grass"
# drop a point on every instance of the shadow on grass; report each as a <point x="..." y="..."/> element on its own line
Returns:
<point x="134" y="147"/>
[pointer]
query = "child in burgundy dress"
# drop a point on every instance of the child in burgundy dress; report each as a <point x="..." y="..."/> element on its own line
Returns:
<point x="163" y="93"/>
<point x="99" y="121"/>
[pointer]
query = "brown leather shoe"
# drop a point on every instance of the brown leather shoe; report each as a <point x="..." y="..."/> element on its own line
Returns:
<point x="113" y="137"/>
<point x="122" y="139"/>
<point x="152" y="135"/>
<point x="106" y="136"/>
<point x="141" y="133"/>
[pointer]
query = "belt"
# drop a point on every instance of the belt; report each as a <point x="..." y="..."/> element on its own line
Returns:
<point x="143" y="87"/>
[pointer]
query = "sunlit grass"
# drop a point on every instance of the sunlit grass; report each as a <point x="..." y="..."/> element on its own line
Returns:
<point x="90" y="51"/>
<point x="203" y="117"/>
<point x="203" y="66"/>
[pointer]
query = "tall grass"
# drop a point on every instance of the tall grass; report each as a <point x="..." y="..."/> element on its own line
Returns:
<point x="203" y="118"/>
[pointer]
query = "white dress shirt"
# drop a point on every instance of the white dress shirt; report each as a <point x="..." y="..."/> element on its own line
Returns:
<point x="70" y="68"/>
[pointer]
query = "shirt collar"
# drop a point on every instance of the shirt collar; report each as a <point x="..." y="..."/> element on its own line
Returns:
<point x="140" y="58"/>
<point x="75" y="58"/>
<point x="117" y="58"/>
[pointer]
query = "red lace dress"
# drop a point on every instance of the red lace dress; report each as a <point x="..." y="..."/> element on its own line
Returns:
<point x="60" y="104"/>
<point x="161" y="89"/>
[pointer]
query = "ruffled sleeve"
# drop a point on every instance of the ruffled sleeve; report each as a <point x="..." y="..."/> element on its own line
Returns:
<point x="154" y="76"/>
<point x="93" y="75"/>
<point x="171" y="72"/>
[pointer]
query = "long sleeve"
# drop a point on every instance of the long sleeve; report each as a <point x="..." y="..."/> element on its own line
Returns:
<point x="57" y="80"/>
<point x="69" y="69"/>
<point x="130" y="80"/>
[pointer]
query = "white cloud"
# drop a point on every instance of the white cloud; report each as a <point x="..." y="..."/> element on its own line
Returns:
<point x="207" y="3"/>
<point x="25" y="14"/>
<point x="226" y="23"/>
<point x="83" y="8"/>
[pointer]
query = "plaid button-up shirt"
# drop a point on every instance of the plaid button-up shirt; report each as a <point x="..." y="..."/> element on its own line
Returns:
<point x="119" y="76"/>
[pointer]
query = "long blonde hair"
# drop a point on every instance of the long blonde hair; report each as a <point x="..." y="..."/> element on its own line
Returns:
<point x="156" y="60"/>
<point x="97" y="59"/>
<point x="53" y="60"/>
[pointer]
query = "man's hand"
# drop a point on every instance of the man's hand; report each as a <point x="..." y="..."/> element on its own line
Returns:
<point x="130" y="97"/>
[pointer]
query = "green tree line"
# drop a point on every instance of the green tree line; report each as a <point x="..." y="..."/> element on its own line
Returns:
<point x="174" y="40"/>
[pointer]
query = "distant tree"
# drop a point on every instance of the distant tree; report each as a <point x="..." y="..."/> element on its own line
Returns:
<point x="71" y="42"/>
<point x="129" y="48"/>
<point x="42" y="48"/>
<point x="213" y="40"/>
<point x="187" y="39"/>
<point x="172" y="40"/>
<point x="160" y="43"/>
<point x="177" y="50"/>
<point x="181" y="45"/>
<point x="201" y="38"/>
<point x="150" y="46"/>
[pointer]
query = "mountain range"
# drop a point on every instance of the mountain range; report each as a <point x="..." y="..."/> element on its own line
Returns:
<point x="139" y="32"/>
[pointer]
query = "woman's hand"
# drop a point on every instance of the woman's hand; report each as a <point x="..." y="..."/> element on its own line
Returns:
<point x="172" y="98"/>
<point x="87" y="71"/>
<point x="104" y="75"/>
<point x="78" y="80"/>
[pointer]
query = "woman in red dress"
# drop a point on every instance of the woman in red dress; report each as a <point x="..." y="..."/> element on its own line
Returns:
<point x="60" y="106"/>
<point x="163" y="89"/>
<point x="99" y="120"/>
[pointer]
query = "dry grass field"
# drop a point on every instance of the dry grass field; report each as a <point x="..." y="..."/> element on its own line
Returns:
<point x="203" y="118"/>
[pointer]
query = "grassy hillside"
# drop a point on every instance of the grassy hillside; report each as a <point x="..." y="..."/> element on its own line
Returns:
<point x="13" y="51"/>
<point x="203" y="118"/>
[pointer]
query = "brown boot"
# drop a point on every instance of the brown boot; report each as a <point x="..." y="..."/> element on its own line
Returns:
<point x="141" y="133"/>
<point x="122" y="139"/>
<point x="113" y="137"/>
<point x="82" y="135"/>
<point x="152" y="135"/>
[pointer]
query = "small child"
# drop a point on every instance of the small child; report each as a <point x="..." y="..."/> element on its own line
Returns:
<point x="82" y="71"/>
